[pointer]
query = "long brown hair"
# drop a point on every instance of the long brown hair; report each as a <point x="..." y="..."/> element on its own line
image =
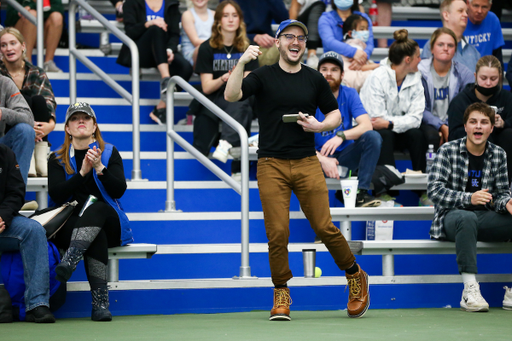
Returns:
<point x="63" y="152"/>
<point x="241" y="41"/>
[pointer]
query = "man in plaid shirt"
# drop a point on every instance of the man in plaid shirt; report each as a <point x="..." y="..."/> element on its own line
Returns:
<point x="468" y="184"/>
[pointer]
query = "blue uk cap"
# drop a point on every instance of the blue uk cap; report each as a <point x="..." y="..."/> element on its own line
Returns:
<point x="290" y="22"/>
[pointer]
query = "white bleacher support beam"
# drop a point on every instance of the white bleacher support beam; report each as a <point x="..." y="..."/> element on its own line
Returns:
<point x="346" y="229"/>
<point x="113" y="270"/>
<point x="388" y="265"/>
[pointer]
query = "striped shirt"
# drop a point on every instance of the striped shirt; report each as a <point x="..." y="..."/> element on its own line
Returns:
<point x="448" y="177"/>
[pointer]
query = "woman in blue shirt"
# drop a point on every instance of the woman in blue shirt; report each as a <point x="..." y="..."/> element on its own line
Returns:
<point x="330" y="27"/>
<point x="154" y="26"/>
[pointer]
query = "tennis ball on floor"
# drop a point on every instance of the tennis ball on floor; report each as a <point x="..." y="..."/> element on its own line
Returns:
<point x="318" y="272"/>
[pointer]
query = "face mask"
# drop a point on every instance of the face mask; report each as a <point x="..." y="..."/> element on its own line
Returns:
<point x="488" y="91"/>
<point x="343" y="4"/>
<point x="361" y="35"/>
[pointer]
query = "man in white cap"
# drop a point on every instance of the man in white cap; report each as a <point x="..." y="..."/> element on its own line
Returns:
<point x="287" y="159"/>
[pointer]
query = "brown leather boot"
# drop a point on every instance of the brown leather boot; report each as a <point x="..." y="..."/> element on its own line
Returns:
<point x="281" y="309"/>
<point x="359" y="297"/>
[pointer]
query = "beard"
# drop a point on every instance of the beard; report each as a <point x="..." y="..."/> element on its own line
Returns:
<point x="284" y="56"/>
<point x="334" y="84"/>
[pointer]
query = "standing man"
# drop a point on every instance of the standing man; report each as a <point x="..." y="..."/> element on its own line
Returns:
<point x="357" y="148"/>
<point x="287" y="159"/>
<point x="484" y="29"/>
<point x="454" y="15"/>
<point x="469" y="186"/>
<point x="26" y="235"/>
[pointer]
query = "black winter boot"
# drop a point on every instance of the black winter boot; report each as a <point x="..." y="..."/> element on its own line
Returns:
<point x="68" y="264"/>
<point x="100" y="305"/>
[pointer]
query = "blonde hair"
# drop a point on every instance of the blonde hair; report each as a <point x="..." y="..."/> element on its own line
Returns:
<point x="241" y="42"/>
<point x="17" y="34"/>
<point x="63" y="152"/>
<point x="402" y="47"/>
<point x="491" y="62"/>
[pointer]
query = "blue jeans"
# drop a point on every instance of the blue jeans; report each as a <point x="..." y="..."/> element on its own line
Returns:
<point x="465" y="228"/>
<point x="363" y="154"/>
<point x="29" y="237"/>
<point x="21" y="139"/>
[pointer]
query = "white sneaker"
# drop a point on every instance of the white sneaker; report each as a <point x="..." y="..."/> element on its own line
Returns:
<point x="222" y="151"/>
<point x="237" y="177"/>
<point x="312" y="61"/>
<point x="507" y="300"/>
<point x="50" y="66"/>
<point x="472" y="299"/>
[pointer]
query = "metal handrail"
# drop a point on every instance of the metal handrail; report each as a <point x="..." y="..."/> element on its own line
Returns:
<point x="242" y="188"/>
<point x="133" y="98"/>
<point x="40" y="28"/>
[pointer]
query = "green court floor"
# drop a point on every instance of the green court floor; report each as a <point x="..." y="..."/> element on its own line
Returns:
<point x="403" y="324"/>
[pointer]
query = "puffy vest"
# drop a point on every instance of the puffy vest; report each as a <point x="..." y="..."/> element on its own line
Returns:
<point x="126" y="231"/>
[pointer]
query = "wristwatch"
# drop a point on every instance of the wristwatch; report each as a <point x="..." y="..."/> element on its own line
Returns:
<point x="341" y="133"/>
<point x="391" y="125"/>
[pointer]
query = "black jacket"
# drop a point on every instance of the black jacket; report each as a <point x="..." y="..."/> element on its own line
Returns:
<point x="502" y="100"/>
<point x="134" y="19"/>
<point x="12" y="186"/>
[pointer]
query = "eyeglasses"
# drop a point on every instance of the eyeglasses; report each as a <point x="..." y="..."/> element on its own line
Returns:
<point x="291" y="38"/>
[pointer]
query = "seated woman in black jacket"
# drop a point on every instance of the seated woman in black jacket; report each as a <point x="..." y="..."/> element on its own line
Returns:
<point x="154" y="26"/>
<point x="488" y="89"/>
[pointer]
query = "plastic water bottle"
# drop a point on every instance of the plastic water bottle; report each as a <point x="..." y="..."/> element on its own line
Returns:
<point x="374" y="12"/>
<point x="430" y="157"/>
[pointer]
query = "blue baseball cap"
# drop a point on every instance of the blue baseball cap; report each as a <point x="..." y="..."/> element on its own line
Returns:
<point x="332" y="57"/>
<point x="290" y="22"/>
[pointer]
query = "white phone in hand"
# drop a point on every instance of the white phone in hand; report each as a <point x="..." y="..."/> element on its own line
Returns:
<point x="292" y="118"/>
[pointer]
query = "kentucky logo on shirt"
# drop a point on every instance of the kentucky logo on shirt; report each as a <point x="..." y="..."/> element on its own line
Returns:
<point x="441" y="94"/>
<point x="478" y="38"/>
<point x="222" y="63"/>
<point x="150" y="17"/>
<point x="475" y="176"/>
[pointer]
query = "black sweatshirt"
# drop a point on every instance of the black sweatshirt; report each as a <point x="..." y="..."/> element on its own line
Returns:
<point x="502" y="100"/>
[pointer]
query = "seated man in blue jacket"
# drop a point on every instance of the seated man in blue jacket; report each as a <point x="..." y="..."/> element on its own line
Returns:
<point x="20" y="233"/>
<point x="357" y="148"/>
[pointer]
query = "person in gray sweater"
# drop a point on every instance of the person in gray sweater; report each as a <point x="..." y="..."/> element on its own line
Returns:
<point x="16" y="124"/>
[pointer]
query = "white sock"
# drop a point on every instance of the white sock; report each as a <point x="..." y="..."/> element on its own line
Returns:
<point x="468" y="278"/>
